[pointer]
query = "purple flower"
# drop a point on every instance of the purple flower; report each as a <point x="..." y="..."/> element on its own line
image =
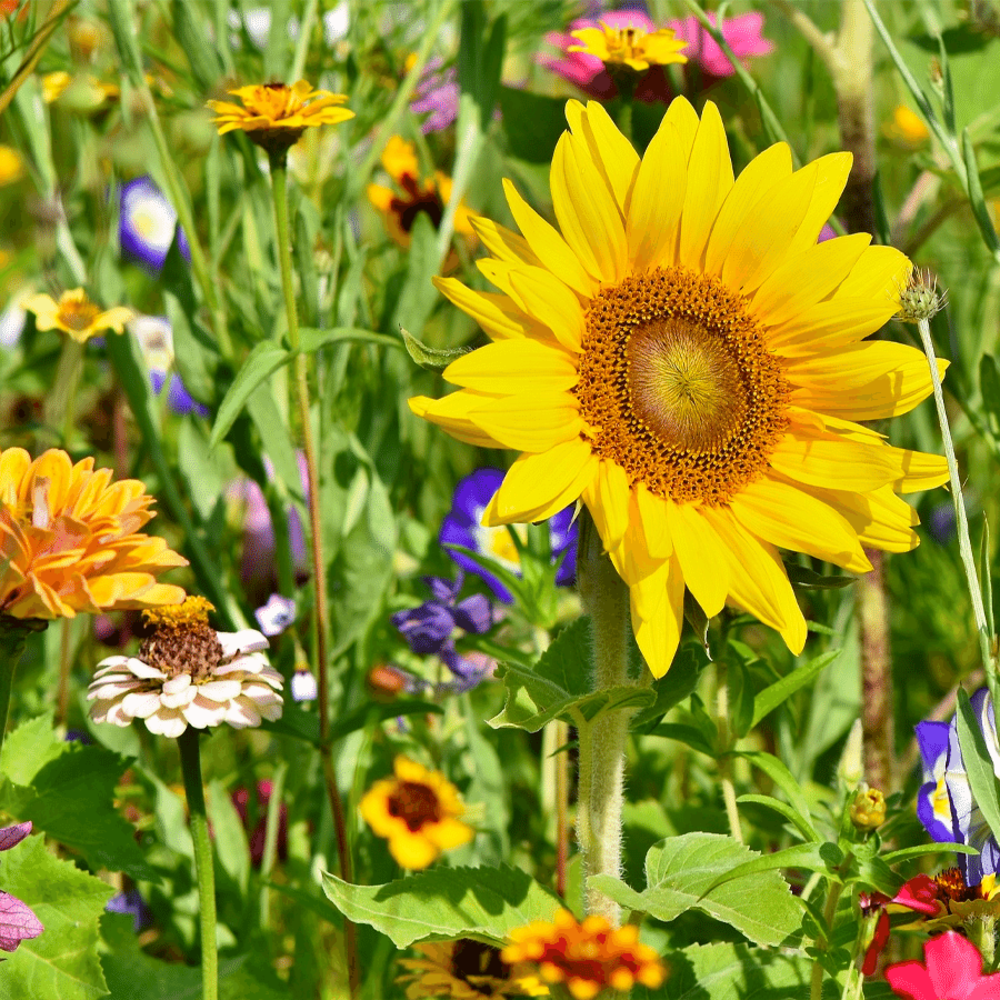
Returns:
<point x="181" y="401"/>
<point x="463" y="526"/>
<point x="275" y="616"/>
<point x="131" y="902"/>
<point x="468" y="669"/>
<point x="428" y="627"/>
<point x="437" y="92"/>
<point x="146" y="225"/>
<point x="17" y="921"/>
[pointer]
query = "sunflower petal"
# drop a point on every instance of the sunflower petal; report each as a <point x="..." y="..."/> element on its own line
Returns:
<point x="503" y="243"/>
<point x="499" y="318"/>
<point x="609" y="149"/>
<point x="532" y="422"/>
<point x="521" y="365"/>
<point x="701" y="554"/>
<point x="658" y="633"/>
<point x="452" y="414"/>
<point x="607" y="498"/>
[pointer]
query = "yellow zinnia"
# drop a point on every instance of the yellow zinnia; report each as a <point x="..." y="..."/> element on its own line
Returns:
<point x="691" y="362"/>
<point x="69" y="540"/>
<point x="76" y="315"/>
<point x="633" y="47"/>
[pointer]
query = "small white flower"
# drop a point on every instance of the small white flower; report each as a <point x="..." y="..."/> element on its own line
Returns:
<point x="187" y="674"/>
<point x="303" y="686"/>
<point x="275" y="616"/>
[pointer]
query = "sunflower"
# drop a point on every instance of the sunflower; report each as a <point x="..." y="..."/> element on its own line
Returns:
<point x="418" y="811"/>
<point x="69" y="540"/>
<point x="465" y="970"/>
<point x="76" y="315"/>
<point x="691" y="362"/>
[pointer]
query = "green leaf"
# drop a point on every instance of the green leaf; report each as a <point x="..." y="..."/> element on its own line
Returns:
<point x="690" y="736"/>
<point x="824" y="858"/>
<point x="194" y="41"/>
<point x="782" y="777"/>
<point x="558" y="687"/>
<point x="921" y="850"/>
<point x="976" y="199"/>
<point x="806" y="579"/>
<point x="780" y="691"/>
<point x="311" y="339"/>
<point x="680" y="873"/>
<point x="784" y="809"/>
<point x="67" y="790"/>
<point x="446" y="903"/>
<point x="671" y="689"/>
<point x="989" y="386"/>
<point x="741" y="698"/>
<point x="430" y="358"/>
<point x="532" y="123"/>
<point x="61" y="963"/>
<point x="978" y="764"/>
<point x="261" y="363"/>
<point x="736" y="972"/>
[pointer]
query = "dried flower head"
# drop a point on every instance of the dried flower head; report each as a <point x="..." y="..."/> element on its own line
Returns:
<point x="588" y="957"/>
<point x="76" y="315"/>
<point x="418" y="811"/>
<point x="919" y="298"/>
<point x="187" y="674"/>
<point x="69" y="540"/>
<point x="275" y="115"/>
<point x="465" y="970"/>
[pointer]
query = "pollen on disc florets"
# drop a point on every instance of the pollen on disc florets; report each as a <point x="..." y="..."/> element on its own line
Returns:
<point x="677" y="385"/>
<point x="182" y="640"/>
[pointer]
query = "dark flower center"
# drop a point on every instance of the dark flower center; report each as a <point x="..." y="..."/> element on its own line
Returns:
<point x="415" y="804"/>
<point x="415" y="202"/>
<point x="472" y="958"/>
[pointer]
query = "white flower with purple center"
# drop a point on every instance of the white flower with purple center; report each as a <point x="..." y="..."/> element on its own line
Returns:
<point x="463" y="526"/>
<point x="147" y="223"/>
<point x="187" y="674"/>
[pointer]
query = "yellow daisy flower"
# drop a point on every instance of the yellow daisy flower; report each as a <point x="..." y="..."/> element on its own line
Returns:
<point x="630" y="46"/>
<point x="275" y="115"/>
<point x="69" y="540"/>
<point x="588" y="957"/>
<point x="465" y="970"/>
<point x="76" y="315"/>
<point x="691" y="362"/>
<point x="417" y="811"/>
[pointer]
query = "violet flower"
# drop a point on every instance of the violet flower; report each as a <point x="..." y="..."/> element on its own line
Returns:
<point x="437" y="93"/>
<point x="17" y="921"/>
<point x="131" y="902"/>
<point x="146" y="225"/>
<point x="429" y="626"/>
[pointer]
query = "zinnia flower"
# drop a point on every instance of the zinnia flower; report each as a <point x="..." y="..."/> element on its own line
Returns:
<point x="187" y="674"/>
<point x="69" y="542"/>
<point x="464" y="970"/>
<point x="953" y="971"/>
<point x="688" y="359"/>
<point x="147" y="223"/>
<point x="462" y="525"/>
<point x="76" y="315"/>
<point x="630" y="45"/>
<point x="275" y="115"/>
<point x="588" y="957"/>
<point x="418" y="812"/>
<point x="17" y="921"/>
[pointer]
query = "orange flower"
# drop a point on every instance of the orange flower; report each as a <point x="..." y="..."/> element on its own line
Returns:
<point x="69" y="542"/>
<point x="587" y="957"/>
<point x="417" y="811"/>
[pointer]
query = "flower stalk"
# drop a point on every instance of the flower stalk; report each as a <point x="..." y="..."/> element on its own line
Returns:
<point x="190" y="752"/>
<point x="14" y="634"/>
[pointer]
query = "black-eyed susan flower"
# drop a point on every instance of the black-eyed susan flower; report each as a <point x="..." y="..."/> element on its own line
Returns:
<point x="413" y="195"/>
<point x="688" y="359"/>
<point x="76" y="315"/>
<point x="465" y="970"/>
<point x="630" y="46"/>
<point x="187" y="674"/>
<point x="70" y="542"/>
<point x="275" y="115"/>
<point x="418" y="812"/>
<point x="588" y="957"/>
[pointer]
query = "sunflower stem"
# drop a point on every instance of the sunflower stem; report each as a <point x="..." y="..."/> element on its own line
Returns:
<point x="279" y="184"/>
<point x="961" y="519"/>
<point x="190" y="752"/>
<point x="603" y="740"/>
<point x="725" y="739"/>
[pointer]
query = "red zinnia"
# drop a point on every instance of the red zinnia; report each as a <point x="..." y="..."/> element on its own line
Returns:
<point x="954" y="971"/>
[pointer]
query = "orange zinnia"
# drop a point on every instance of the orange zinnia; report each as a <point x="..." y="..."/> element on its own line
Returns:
<point x="69" y="542"/>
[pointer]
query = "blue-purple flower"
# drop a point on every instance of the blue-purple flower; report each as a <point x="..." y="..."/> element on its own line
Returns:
<point x="463" y="526"/>
<point x="437" y="93"/>
<point x="17" y="921"/>
<point x="131" y="902"/>
<point x="945" y="804"/>
<point x="146" y="225"/>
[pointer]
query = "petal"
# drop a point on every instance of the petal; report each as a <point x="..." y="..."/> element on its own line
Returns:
<point x="496" y="314"/>
<point x="881" y="519"/>
<point x="658" y="633"/>
<point x="701" y="555"/>
<point x="449" y="833"/>
<point x="503" y="244"/>
<point x="832" y="172"/>
<point x="607" y="499"/>
<point x="412" y="850"/>
<point x="514" y="365"/>
<point x="652" y="511"/>
<point x="609" y="149"/>
<point x="247" y="640"/>
<point x="452" y="413"/>
<point x="168" y="722"/>
<point x="543" y="297"/>
<point x="532" y="422"/>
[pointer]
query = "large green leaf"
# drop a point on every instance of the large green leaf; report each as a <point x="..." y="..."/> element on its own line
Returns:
<point x="558" y="686"/>
<point x="680" y="872"/>
<point x="261" y="363"/>
<point x="61" y="963"/>
<point x="446" y="903"/>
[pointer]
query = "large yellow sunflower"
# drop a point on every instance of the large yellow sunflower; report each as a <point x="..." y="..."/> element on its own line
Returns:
<point x="687" y="358"/>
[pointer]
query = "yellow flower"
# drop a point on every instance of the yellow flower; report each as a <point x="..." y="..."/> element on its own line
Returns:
<point x="630" y="46"/>
<point x="465" y="970"/>
<point x="417" y="811"/>
<point x="588" y="957"/>
<point x="69" y="542"/>
<point x="691" y="362"/>
<point x="402" y="206"/>
<point x="275" y="115"/>
<point x="76" y="315"/>
<point x="88" y="92"/>
<point x="11" y="166"/>
<point x="907" y="128"/>
<point x="53" y="85"/>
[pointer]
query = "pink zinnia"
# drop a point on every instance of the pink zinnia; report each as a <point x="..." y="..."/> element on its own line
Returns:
<point x="954" y="971"/>
<point x="743" y="34"/>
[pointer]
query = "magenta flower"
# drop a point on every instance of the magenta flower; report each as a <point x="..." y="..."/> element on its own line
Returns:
<point x="953" y="971"/>
<point x="437" y="93"/>
<point x="17" y="922"/>
<point x="743" y="34"/>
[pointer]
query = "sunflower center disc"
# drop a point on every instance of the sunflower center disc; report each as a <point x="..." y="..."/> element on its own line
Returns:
<point x="678" y="387"/>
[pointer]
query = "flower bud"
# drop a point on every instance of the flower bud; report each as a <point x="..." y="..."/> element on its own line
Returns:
<point x="868" y="808"/>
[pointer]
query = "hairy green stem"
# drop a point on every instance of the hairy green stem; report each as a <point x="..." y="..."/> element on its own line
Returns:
<point x="190" y="751"/>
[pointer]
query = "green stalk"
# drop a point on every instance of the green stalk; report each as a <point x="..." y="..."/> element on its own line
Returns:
<point x="60" y="407"/>
<point x="187" y="742"/>
<point x="14" y="634"/>
<point x="816" y="984"/>
<point x="725" y="744"/>
<point x="603" y="741"/>
<point x="279" y="182"/>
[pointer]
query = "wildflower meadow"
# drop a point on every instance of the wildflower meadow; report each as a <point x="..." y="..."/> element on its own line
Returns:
<point x="499" y="499"/>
